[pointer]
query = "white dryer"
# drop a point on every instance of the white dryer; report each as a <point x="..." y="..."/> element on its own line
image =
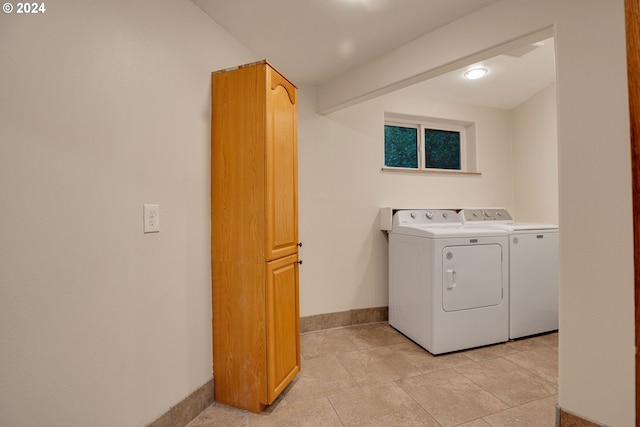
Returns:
<point x="533" y="270"/>
<point x="448" y="286"/>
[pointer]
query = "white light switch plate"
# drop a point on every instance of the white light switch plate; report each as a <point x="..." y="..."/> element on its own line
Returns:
<point x="151" y="215"/>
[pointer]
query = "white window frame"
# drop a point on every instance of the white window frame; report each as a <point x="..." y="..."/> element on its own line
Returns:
<point x="467" y="131"/>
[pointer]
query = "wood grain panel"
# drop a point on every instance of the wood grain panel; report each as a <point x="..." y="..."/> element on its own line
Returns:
<point x="283" y="326"/>
<point x="281" y="168"/>
<point x="237" y="165"/>
<point x="239" y="328"/>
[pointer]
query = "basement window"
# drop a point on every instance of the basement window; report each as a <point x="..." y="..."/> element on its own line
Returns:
<point x="428" y="144"/>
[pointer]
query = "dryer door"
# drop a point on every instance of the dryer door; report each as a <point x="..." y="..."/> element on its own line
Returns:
<point x="472" y="277"/>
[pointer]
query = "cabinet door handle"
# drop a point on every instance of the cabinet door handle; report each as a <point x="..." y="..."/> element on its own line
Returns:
<point x="300" y="244"/>
<point x="300" y="262"/>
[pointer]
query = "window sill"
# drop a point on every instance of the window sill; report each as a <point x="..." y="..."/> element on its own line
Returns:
<point x="430" y="171"/>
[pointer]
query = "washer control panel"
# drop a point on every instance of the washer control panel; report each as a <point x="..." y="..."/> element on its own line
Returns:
<point x="426" y="216"/>
<point x="488" y="214"/>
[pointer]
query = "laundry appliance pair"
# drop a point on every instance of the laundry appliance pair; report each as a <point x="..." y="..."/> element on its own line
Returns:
<point x="469" y="278"/>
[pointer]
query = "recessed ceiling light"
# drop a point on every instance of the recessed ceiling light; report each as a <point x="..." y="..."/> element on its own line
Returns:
<point x="475" y="73"/>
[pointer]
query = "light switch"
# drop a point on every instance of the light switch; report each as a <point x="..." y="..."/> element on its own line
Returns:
<point x="151" y="215"/>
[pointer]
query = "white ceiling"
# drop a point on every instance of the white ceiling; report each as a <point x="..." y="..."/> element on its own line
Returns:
<point x="312" y="41"/>
<point x="510" y="80"/>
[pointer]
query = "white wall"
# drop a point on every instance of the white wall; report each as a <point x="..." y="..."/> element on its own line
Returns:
<point x="105" y="106"/>
<point x="342" y="188"/>
<point x="597" y="369"/>
<point x="534" y="138"/>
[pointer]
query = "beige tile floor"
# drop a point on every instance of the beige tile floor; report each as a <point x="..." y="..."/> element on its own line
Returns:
<point x="371" y="375"/>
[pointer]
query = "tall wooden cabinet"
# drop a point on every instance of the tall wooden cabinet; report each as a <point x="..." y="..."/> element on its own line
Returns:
<point x="254" y="242"/>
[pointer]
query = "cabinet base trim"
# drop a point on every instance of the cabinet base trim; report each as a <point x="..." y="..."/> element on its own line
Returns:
<point x="343" y="318"/>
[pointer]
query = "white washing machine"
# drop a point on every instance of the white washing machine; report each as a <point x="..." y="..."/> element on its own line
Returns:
<point x="533" y="270"/>
<point x="448" y="285"/>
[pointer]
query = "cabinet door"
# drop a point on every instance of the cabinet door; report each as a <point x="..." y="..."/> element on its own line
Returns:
<point x="281" y="167"/>
<point x="283" y="324"/>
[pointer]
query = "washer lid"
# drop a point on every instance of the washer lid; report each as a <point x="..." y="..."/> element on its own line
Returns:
<point x="447" y="231"/>
<point x="524" y="226"/>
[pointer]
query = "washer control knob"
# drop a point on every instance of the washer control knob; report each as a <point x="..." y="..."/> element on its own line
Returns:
<point x="445" y="214"/>
<point x="413" y="215"/>
<point x="429" y="215"/>
<point x="486" y="214"/>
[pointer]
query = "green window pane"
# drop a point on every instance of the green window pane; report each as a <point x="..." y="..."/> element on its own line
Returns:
<point x="400" y="147"/>
<point x="442" y="149"/>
